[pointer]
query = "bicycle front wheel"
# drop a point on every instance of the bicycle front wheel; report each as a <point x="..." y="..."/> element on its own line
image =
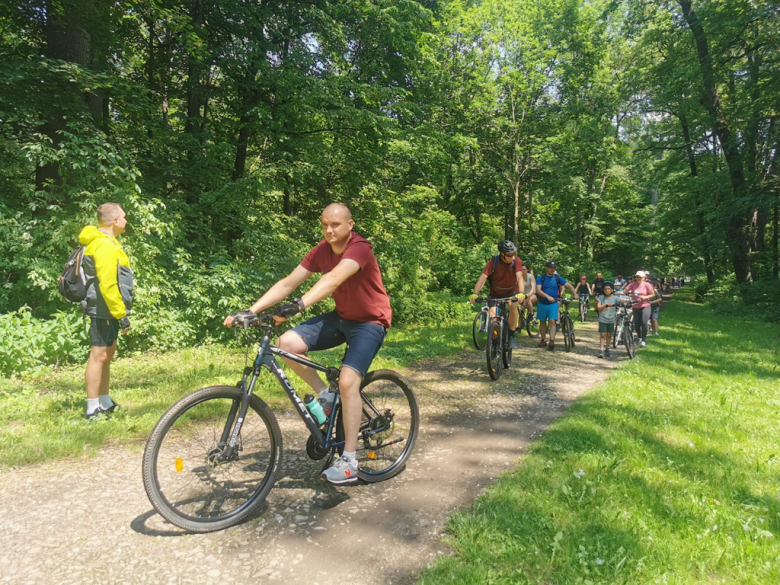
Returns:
<point x="583" y="311"/>
<point x="565" y="332"/>
<point x="187" y="480"/>
<point x="493" y="351"/>
<point x="480" y="330"/>
<point x="572" y="338"/>
<point x="506" y="354"/>
<point x="388" y="429"/>
<point x="531" y="325"/>
<point x="628" y="341"/>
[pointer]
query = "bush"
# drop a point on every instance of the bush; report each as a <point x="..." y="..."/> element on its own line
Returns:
<point x="758" y="301"/>
<point x="28" y="343"/>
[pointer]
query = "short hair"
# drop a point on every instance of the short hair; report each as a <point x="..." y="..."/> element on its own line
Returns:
<point x="108" y="212"/>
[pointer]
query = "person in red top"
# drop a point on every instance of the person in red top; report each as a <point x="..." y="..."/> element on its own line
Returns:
<point x="350" y="273"/>
<point x="507" y="277"/>
<point x="642" y="292"/>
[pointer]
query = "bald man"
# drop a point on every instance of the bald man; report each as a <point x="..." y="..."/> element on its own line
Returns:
<point x="350" y="273"/>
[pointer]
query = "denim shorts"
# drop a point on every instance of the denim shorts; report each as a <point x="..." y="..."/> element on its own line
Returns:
<point x="545" y="312"/>
<point x="330" y="330"/>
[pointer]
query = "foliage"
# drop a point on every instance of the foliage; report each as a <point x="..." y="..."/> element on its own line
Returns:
<point x="753" y="303"/>
<point x="665" y="473"/>
<point x="224" y="127"/>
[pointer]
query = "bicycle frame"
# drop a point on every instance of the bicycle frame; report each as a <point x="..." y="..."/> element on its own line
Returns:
<point x="266" y="358"/>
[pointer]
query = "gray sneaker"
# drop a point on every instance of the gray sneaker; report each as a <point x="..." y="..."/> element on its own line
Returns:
<point x="342" y="472"/>
<point x="512" y="343"/>
<point x="100" y="414"/>
<point x="601" y="354"/>
<point x="606" y="353"/>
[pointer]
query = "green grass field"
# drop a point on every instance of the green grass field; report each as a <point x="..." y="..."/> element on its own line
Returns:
<point x="41" y="418"/>
<point x="669" y="472"/>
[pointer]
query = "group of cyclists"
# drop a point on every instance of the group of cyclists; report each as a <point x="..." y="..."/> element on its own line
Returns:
<point x="509" y="277"/>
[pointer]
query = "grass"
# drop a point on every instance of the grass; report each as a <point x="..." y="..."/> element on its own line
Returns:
<point x="41" y="417"/>
<point x="669" y="472"/>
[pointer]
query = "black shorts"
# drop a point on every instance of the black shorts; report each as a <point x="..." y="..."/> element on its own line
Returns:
<point x="103" y="332"/>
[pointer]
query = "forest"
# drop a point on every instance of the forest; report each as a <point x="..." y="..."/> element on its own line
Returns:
<point x="605" y="135"/>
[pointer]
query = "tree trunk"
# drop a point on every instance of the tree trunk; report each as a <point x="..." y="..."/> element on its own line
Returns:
<point x="241" y="147"/>
<point x="710" y="99"/>
<point x="705" y="248"/>
<point x="72" y="36"/>
<point x="775" y="239"/>
<point x="193" y="76"/>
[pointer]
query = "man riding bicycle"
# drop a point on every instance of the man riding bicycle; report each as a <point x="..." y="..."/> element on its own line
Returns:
<point x="504" y="272"/>
<point x="350" y="273"/>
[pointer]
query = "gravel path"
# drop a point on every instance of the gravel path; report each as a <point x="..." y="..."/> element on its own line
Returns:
<point x="89" y="521"/>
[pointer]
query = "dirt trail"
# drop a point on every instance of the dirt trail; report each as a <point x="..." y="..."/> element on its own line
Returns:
<point x="89" y="521"/>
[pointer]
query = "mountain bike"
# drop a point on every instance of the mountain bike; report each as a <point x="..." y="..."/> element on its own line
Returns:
<point x="624" y="326"/>
<point x="479" y="332"/>
<point x="497" y="350"/>
<point x="567" y="325"/>
<point x="584" y="307"/>
<point x="529" y="322"/>
<point x="212" y="458"/>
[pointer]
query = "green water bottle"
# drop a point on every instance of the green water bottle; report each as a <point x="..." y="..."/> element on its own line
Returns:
<point x="315" y="408"/>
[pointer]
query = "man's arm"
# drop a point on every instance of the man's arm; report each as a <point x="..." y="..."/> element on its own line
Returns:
<point x="478" y="287"/>
<point x="282" y="289"/>
<point x="571" y="288"/>
<point x="328" y="283"/>
<point x="277" y="292"/>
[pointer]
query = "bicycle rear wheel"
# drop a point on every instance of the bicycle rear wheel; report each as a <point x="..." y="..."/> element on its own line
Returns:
<point x="388" y="429"/>
<point x="583" y="311"/>
<point x="184" y="478"/>
<point x="493" y="351"/>
<point x="480" y="329"/>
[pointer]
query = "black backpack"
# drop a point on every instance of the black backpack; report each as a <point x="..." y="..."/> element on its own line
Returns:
<point x="73" y="284"/>
<point x="495" y="264"/>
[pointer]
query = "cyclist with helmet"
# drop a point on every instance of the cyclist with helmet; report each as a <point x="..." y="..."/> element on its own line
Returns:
<point x="548" y="291"/>
<point x="584" y="290"/>
<point x="620" y="283"/>
<point x="504" y="271"/>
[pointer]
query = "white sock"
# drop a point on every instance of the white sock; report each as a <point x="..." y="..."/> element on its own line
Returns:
<point x="105" y="401"/>
<point x="92" y="405"/>
<point x="351" y="456"/>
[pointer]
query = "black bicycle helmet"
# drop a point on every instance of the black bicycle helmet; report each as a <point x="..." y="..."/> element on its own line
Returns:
<point x="507" y="247"/>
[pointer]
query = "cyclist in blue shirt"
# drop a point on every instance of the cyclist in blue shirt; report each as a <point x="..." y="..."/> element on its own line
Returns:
<point x="548" y="288"/>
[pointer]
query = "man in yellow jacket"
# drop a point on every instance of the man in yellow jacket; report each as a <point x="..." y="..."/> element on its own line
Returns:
<point x="108" y="303"/>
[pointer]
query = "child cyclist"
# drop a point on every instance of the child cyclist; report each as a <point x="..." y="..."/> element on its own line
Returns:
<point x="606" y="306"/>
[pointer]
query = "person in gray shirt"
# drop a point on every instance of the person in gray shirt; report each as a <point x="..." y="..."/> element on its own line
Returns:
<point x="606" y="306"/>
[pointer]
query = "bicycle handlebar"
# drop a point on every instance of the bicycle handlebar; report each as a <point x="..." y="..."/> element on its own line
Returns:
<point x="502" y="300"/>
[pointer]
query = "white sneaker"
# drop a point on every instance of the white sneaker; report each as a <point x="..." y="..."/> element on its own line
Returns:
<point x="642" y="344"/>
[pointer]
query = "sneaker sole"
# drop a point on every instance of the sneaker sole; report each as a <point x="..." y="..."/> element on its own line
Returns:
<point x="347" y="481"/>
